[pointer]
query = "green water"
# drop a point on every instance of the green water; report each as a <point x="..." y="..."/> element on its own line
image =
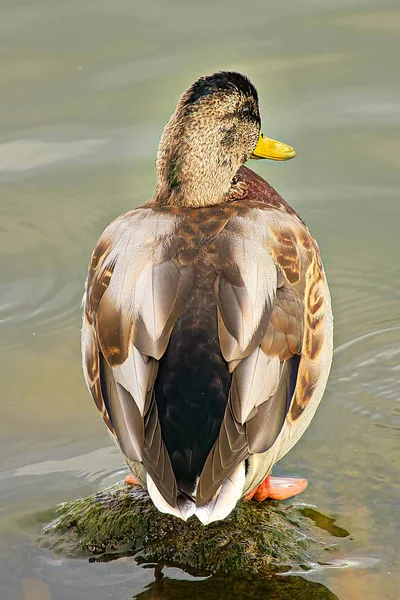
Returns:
<point x="85" y="89"/>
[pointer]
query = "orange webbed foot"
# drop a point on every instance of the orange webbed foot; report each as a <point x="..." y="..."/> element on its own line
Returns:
<point x="131" y="480"/>
<point x="277" y="488"/>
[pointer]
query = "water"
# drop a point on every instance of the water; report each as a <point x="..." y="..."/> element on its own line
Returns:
<point x="85" y="89"/>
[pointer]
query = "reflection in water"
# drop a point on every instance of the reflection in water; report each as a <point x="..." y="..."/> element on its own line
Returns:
<point x="324" y="522"/>
<point x="216" y="587"/>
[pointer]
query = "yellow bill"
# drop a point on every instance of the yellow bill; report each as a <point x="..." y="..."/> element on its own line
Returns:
<point x="272" y="149"/>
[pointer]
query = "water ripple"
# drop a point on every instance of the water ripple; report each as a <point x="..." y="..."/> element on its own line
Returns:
<point x="43" y="242"/>
<point x="366" y="378"/>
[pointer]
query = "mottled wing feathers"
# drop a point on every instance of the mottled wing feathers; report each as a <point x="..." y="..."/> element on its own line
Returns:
<point x="126" y="330"/>
<point x="156" y="459"/>
<point x="270" y="303"/>
<point x="270" y="309"/>
<point x="91" y="370"/>
<point x="245" y="287"/>
<point x="285" y="329"/>
<point x="143" y="272"/>
<point x="317" y="336"/>
<point x="254" y="380"/>
<point x="124" y="413"/>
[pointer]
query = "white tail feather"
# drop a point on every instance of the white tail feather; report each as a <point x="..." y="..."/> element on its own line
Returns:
<point x="184" y="510"/>
<point x="230" y="492"/>
<point x="216" y="510"/>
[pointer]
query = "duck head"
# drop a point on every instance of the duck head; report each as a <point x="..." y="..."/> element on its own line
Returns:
<point x="214" y="130"/>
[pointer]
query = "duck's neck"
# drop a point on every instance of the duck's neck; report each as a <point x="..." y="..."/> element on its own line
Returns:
<point x="192" y="167"/>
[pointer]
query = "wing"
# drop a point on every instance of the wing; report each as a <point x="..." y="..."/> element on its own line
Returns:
<point x="271" y="302"/>
<point x="126" y="331"/>
<point x="271" y="297"/>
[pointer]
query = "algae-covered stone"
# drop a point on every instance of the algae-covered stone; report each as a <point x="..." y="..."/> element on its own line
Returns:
<point x="257" y="537"/>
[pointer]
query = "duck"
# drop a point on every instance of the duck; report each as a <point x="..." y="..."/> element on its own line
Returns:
<point x="207" y="324"/>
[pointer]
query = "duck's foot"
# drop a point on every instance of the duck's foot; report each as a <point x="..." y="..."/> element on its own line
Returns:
<point x="131" y="480"/>
<point x="277" y="488"/>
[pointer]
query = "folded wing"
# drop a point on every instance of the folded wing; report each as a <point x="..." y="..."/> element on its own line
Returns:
<point x="270" y="292"/>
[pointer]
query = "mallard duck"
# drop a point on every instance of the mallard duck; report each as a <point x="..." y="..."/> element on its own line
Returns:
<point x="207" y="329"/>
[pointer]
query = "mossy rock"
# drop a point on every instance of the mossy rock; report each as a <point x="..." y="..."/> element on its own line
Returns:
<point x="121" y="520"/>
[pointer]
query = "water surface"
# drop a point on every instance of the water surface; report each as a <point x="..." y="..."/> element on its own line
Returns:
<point x="85" y="89"/>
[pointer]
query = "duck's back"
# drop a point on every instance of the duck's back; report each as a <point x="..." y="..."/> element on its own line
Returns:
<point x="193" y="381"/>
<point x="195" y="321"/>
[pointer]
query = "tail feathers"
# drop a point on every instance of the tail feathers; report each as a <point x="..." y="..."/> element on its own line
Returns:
<point x="215" y="510"/>
<point x="226" y="500"/>
<point x="185" y="508"/>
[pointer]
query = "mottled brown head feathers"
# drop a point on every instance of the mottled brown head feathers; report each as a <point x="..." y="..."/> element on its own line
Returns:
<point x="212" y="132"/>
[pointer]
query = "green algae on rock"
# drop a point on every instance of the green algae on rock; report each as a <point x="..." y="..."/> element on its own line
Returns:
<point x="122" y="520"/>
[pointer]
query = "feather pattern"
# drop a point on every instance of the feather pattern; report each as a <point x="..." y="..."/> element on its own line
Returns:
<point x="206" y="341"/>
